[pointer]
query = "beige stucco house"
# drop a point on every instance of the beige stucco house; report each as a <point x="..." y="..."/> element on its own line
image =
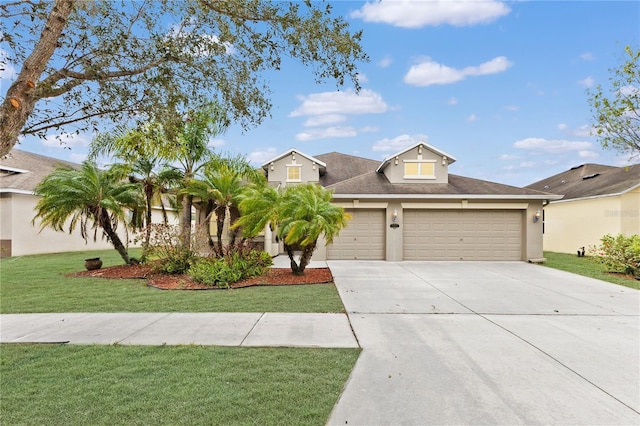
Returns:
<point x="20" y="173"/>
<point x="409" y="207"/>
<point x="597" y="200"/>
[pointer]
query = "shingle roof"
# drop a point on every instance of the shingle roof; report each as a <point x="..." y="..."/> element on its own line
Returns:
<point x="341" y="167"/>
<point x="590" y="180"/>
<point x="347" y="174"/>
<point x="33" y="168"/>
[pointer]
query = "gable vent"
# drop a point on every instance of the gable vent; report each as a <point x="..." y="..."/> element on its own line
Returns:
<point x="591" y="176"/>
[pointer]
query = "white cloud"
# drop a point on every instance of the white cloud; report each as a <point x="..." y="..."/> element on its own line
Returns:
<point x="507" y="157"/>
<point x="348" y="102"/>
<point x="216" y="142"/>
<point x="399" y="142"/>
<point x="587" y="56"/>
<point x="553" y="146"/>
<point x="586" y="82"/>
<point x="385" y="62"/>
<point x="527" y="164"/>
<point x="429" y="72"/>
<point x="583" y="131"/>
<point x="416" y="14"/>
<point x="260" y="157"/>
<point x="452" y="101"/>
<point x="362" y="78"/>
<point x="512" y="107"/>
<point x="588" y="154"/>
<point x="66" y="140"/>
<point x="473" y="117"/>
<point x="324" y="120"/>
<point x="327" y="132"/>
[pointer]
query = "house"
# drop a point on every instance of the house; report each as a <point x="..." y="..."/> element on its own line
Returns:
<point x="409" y="207"/>
<point x="20" y="173"/>
<point x="597" y="200"/>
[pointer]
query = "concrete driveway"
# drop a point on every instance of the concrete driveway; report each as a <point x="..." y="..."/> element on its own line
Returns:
<point x="488" y="343"/>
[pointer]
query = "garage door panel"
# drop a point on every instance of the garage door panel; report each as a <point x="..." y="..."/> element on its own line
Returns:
<point x="363" y="238"/>
<point x="462" y="235"/>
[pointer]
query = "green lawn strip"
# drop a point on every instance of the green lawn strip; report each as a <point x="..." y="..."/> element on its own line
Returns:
<point x="69" y="384"/>
<point x="587" y="267"/>
<point x="30" y="284"/>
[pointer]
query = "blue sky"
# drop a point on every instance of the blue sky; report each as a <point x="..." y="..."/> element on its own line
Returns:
<point x="499" y="85"/>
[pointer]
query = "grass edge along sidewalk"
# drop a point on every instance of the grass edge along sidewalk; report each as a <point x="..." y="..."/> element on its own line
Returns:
<point x="37" y="284"/>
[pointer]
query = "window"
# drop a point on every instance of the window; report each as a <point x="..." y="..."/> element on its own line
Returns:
<point x="419" y="170"/>
<point x="294" y="174"/>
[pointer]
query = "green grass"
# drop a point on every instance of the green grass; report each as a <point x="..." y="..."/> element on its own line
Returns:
<point x="30" y="284"/>
<point x="105" y="385"/>
<point x="588" y="267"/>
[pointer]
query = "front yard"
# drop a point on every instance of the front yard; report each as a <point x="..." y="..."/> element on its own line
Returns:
<point x="587" y="267"/>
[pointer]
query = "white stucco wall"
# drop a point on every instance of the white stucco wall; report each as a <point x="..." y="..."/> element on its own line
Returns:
<point x="17" y="212"/>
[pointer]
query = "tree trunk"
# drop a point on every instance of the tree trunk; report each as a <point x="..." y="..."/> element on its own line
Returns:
<point x="22" y="95"/>
<point x="147" y="238"/>
<point x="234" y="215"/>
<point x="305" y="257"/>
<point x="221" y="214"/>
<point x="185" y="220"/>
<point x="112" y="235"/>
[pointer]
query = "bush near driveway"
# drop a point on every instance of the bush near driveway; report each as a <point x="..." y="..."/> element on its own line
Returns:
<point x="619" y="254"/>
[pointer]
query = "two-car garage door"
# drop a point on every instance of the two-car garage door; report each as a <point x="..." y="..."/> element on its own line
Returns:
<point x="462" y="235"/>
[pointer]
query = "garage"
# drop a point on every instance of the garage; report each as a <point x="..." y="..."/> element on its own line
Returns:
<point x="462" y="235"/>
<point x="362" y="239"/>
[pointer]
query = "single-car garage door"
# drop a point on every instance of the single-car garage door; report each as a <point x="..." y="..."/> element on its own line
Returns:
<point x="363" y="238"/>
<point x="462" y="235"/>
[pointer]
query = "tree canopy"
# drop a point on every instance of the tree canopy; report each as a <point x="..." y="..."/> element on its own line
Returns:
<point x="616" y="110"/>
<point x="80" y="61"/>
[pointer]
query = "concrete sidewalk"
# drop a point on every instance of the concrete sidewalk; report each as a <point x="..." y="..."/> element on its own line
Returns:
<point x="221" y="329"/>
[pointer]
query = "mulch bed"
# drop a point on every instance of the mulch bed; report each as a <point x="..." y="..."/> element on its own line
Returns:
<point x="275" y="276"/>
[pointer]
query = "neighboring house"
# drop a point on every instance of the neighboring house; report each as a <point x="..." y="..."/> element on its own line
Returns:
<point x="597" y="200"/>
<point x="409" y="207"/>
<point x="20" y="173"/>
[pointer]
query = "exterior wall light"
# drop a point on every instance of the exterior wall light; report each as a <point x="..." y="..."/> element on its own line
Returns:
<point x="271" y="166"/>
<point x="444" y="160"/>
<point x="536" y="217"/>
<point x="394" y="218"/>
<point x="396" y="161"/>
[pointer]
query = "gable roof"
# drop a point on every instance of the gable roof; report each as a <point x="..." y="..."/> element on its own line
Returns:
<point x="349" y="176"/>
<point x="385" y="163"/>
<point x="297" y="151"/>
<point x="591" y="180"/>
<point x="22" y="171"/>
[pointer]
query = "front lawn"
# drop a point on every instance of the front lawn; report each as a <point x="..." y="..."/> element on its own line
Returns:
<point x="106" y="385"/>
<point x="30" y="284"/>
<point x="588" y="267"/>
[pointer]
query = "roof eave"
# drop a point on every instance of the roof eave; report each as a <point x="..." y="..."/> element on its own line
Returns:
<point x="452" y="196"/>
<point x="450" y="159"/>
<point x="265" y="166"/>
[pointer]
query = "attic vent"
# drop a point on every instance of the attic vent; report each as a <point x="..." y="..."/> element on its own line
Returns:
<point x="546" y="187"/>
<point x="591" y="176"/>
<point x="577" y="167"/>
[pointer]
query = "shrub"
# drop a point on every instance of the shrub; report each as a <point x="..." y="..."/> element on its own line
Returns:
<point x="619" y="253"/>
<point x="238" y="262"/>
<point x="167" y="251"/>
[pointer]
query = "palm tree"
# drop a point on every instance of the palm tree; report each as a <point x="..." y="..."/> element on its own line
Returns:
<point x="219" y="190"/>
<point x="192" y="153"/>
<point x="301" y="213"/>
<point x="89" y="197"/>
<point x="140" y="150"/>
